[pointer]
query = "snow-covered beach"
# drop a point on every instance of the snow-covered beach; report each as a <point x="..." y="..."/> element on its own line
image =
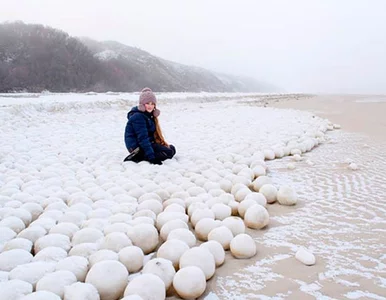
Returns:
<point x="64" y="150"/>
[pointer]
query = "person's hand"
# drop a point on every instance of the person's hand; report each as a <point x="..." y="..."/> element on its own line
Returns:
<point x="155" y="161"/>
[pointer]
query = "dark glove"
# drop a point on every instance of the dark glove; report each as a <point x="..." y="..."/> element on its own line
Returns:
<point x="155" y="161"/>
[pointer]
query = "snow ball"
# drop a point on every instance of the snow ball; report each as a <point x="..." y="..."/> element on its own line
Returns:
<point x="270" y="192"/>
<point x="53" y="214"/>
<point x="145" y="213"/>
<point x="353" y="166"/>
<point x="99" y="213"/>
<point x="75" y="217"/>
<point x="55" y="282"/>
<point x="256" y="217"/>
<point x="183" y="234"/>
<point x="196" y="190"/>
<point x="258" y="171"/>
<point x="201" y="213"/>
<point x="259" y="198"/>
<point x="22" y="214"/>
<point x="217" y="251"/>
<point x="61" y="206"/>
<point x="291" y="166"/>
<point x="102" y="255"/>
<point x="243" y="206"/>
<point x="32" y="272"/>
<point x="189" y="282"/>
<point x="174" y="201"/>
<point x="133" y="297"/>
<point x="235" y="224"/>
<point x="279" y="152"/>
<point x="116" y="227"/>
<point x="287" y="196"/>
<point x="172" y="250"/>
<point x="109" y="278"/>
<point x="243" y="246"/>
<point x="115" y="241"/>
<point x="260" y="181"/>
<point x="153" y="205"/>
<point x="149" y="196"/>
<point x="86" y="235"/>
<point x="305" y="256"/>
<point x="52" y="240"/>
<point x="46" y="223"/>
<point x="221" y="211"/>
<point x="221" y="234"/>
<point x="336" y="126"/>
<point x="147" y="286"/>
<point x="164" y="217"/>
<point x="144" y="236"/>
<point x="67" y="229"/>
<point x="197" y="204"/>
<point x="201" y="258"/>
<point x="204" y="226"/>
<point x="81" y="291"/>
<point x="161" y="267"/>
<point x="295" y="151"/>
<point x="13" y="258"/>
<point x="85" y="249"/>
<point x="14" y="223"/>
<point x="120" y="218"/>
<point x="82" y="207"/>
<point x="96" y="223"/>
<point x="242" y="193"/>
<point x="269" y="154"/>
<point x="14" y="289"/>
<point x="18" y="243"/>
<point x="31" y="233"/>
<point x="41" y="295"/>
<point x="78" y="265"/>
<point x="174" y="207"/>
<point x="297" y="157"/>
<point x="50" y="254"/>
<point x="171" y="225"/>
<point x="141" y="220"/>
<point x="132" y="258"/>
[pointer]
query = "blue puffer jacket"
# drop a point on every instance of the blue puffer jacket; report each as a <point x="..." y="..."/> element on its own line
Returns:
<point x="139" y="131"/>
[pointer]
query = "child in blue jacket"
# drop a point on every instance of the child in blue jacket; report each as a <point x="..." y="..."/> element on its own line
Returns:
<point x="143" y="135"/>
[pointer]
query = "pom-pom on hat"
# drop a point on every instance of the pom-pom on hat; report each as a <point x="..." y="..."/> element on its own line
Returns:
<point x="148" y="96"/>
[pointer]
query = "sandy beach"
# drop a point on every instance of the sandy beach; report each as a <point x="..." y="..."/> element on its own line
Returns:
<point x="341" y="217"/>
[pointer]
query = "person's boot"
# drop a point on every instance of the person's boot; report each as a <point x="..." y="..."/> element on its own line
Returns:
<point x="131" y="156"/>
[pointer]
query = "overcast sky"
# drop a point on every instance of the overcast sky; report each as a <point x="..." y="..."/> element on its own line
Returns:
<point x="299" y="45"/>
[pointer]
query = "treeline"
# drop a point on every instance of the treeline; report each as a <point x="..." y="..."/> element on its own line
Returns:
<point x="34" y="58"/>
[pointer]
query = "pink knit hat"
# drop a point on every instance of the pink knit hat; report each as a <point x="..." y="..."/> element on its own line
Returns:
<point x="148" y="96"/>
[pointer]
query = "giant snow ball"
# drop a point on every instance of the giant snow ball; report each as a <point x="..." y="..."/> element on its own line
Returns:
<point x="101" y="255"/>
<point x="55" y="282"/>
<point x="65" y="228"/>
<point x="148" y="286"/>
<point x="14" y="289"/>
<point x="172" y="250"/>
<point x="12" y="258"/>
<point x="221" y="234"/>
<point x="78" y="265"/>
<point x="109" y="278"/>
<point x="201" y="213"/>
<point x="18" y="243"/>
<point x="132" y="257"/>
<point x="183" y="234"/>
<point x="243" y="246"/>
<point x="32" y="272"/>
<point x="217" y="251"/>
<point x="260" y="181"/>
<point x="85" y="249"/>
<point x="32" y="233"/>
<point x="163" y="268"/>
<point x="52" y="254"/>
<point x="204" y="226"/>
<point x="189" y="282"/>
<point x="270" y="192"/>
<point x="81" y="291"/>
<point x="39" y="295"/>
<point x="199" y="257"/>
<point x="86" y="235"/>
<point x="115" y="241"/>
<point x="287" y="196"/>
<point x="53" y="240"/>
<point x="165" y="217"/>
<point x="144" y="236"/>
<point x="256" y="217"/>
<point x="235" y="224"/>
<point x="170" y="226"/>
<point x="221" y="211"/>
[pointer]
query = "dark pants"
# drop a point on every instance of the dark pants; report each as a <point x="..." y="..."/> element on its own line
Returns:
<point x="161" y="152"/>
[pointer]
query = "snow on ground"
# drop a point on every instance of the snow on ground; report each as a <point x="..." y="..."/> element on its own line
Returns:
<point x="59" y="151"/>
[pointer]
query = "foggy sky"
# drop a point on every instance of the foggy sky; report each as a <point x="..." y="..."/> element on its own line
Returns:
<point x="334" y="46"/>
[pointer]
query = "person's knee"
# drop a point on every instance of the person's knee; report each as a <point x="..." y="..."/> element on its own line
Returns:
<point x="173" y="152"/>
